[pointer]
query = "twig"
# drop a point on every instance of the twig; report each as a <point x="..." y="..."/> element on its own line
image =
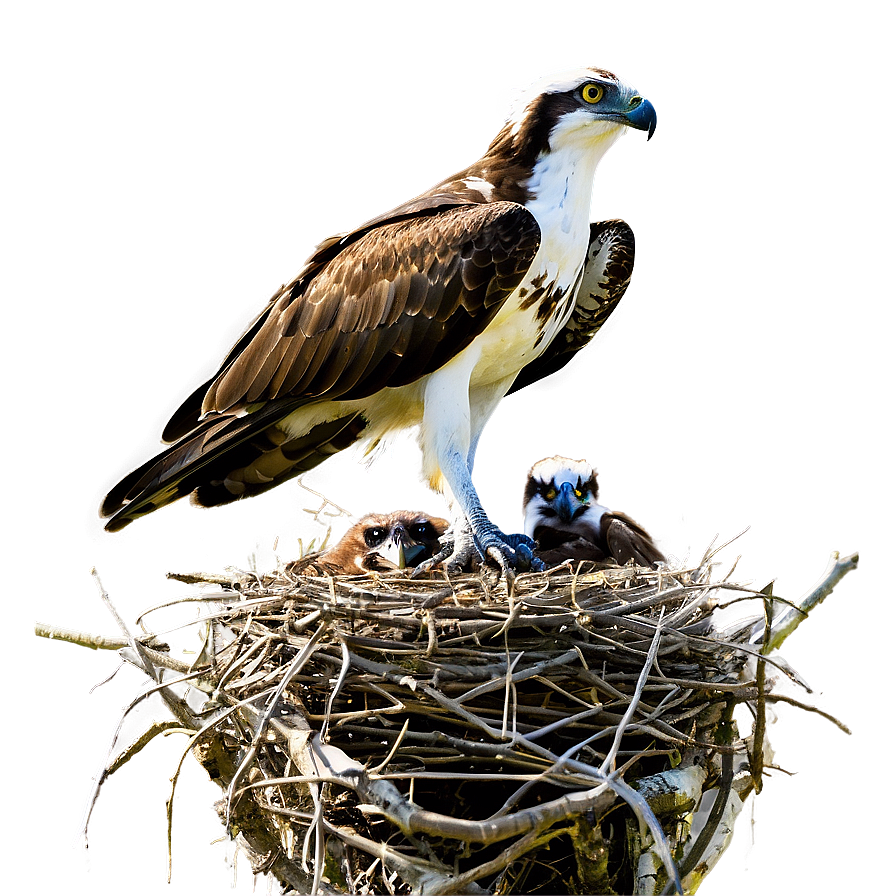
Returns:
<point x="83" y="639"/>
<point x="787" y="622"/>
<point x="610" y="762"/>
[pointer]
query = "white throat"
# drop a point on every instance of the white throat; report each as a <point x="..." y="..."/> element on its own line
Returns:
<point x="562" y="182"/>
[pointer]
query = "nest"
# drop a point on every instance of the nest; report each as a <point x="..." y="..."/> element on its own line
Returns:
<point x="571" y="731"/>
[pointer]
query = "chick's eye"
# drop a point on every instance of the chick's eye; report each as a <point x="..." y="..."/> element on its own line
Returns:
<point x="421" y="530"/>
<point x="374" y="536"/>
<point x="592" y="93"/>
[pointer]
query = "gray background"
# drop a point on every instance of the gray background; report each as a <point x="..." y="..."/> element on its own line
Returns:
<point x="166" y="166"/>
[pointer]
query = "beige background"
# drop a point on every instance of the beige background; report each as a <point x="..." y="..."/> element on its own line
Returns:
<point x="169" y="165"/>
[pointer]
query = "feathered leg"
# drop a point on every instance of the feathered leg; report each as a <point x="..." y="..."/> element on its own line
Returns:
<point x="454" y="447"/>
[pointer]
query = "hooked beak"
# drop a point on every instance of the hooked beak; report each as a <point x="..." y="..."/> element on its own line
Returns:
<point x="567" y="505"/>
<point x="642" y="115"/>
<point x="401" y="550"/>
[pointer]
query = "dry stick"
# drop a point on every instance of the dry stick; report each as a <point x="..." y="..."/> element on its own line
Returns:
<point x="343" y="673"/>
<point x="168" y="602"/>
<point x="389" y="801"/>
<point x="562" y="723"/>
<point x="83" y="639"/>
<point x="555" y="772"/>
<point x="528" y="843"/>
<point x="204" y="578"/>
<point x="121" y="663"/>
<point x="415" y="871"/>
<point x="632" y="797"/>
<point x="394" y="749"/>
<point x="691" y="860"/>
<point x="216" y="616"/>
<point x="239" y="659"/>
<point x="169" y="806"/>
<point x="786" y="623"/>
<point x="185" y="718"/>
<point x="170" y="726"/>
<point x="757" y="756"/>
<point x="316" y="826"/>
<point x="572" y="698"/>
<point x="101" y="774"/>
<point x="325" y="502"/>
<point x="522" y="675"/>
<point x="783" y="698"/>
<point x="712" y="551"/>
<point x="610" y="762"/>
<point x="300" y="659"/>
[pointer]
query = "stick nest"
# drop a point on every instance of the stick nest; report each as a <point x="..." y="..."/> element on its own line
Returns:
<point x="382" y="734"/>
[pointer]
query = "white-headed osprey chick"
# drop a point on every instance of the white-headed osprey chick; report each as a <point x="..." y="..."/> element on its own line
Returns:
<point x="380" y="542"/>
<point x="563" y="516"/>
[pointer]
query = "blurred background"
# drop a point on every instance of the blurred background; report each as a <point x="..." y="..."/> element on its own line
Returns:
<point x="168" y="165"/>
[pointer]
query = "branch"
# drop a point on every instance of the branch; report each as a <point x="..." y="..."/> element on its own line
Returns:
<point x="786" y="622"/>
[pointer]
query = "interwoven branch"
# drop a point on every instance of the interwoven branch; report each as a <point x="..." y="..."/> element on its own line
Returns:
<point x="387" y="734"/>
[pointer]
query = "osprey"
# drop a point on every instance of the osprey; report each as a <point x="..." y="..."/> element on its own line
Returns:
<point x="379" y="542"/>
<point x="425" y="316"/>
<point x="562" y="515"/>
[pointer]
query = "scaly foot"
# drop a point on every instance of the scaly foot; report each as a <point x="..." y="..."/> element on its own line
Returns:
<point x="512" y="553"/>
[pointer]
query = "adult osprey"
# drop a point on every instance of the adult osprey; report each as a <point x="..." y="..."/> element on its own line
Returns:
<point x="428" y="314"/>
<point x="378" y="542"/>
<point x="562" y="515"/>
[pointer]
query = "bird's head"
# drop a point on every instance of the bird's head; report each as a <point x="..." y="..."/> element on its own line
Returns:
<point x="384" y="541"/>
<point x="561" y="495"/>
<point x="587" y="105"/>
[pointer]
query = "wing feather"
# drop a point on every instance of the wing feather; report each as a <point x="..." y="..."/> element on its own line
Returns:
<point x="374" y="309"/>
<point x="373" y="285"/>
<point x="189" y="413"/>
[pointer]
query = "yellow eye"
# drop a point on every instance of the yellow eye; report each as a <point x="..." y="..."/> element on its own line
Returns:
<point x="578" y="493"/>
<point x="550" y="494"/>
<point x="592" y="93"/>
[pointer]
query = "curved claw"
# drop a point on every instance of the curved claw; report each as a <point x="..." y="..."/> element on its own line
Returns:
<point x="513" y="553"/>
<point x="435" y="560"/>
<point x="457" y="554"/>
<point x="525" y="548"/>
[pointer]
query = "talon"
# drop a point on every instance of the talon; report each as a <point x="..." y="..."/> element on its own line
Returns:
<point x="456" y="555"/>
<point x="512" y="553"/>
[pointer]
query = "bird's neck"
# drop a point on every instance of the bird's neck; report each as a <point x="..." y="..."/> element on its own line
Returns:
<point x="560" y="187"/>
<point x="555" y="184"/>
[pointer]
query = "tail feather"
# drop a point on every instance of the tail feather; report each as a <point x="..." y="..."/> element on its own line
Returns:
<point x="224" y="459"/>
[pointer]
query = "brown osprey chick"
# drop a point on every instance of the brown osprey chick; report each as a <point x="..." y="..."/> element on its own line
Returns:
<point x="563" y="516"/>
<point x="380" y="542"/>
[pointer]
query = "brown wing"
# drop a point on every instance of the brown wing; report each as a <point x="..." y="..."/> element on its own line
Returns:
<point x="629" y="541"/>
<point x="575" y="549"/>
<point x="379" y="307"/>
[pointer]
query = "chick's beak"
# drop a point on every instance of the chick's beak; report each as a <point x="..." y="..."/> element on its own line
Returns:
<point x="567" y="505"/>
<point x="400" y="550"/>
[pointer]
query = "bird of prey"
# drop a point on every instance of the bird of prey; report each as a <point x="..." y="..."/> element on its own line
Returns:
<point x="379" y="542"/>
<point x="424" y="316"/>
<point x="563" y="516"/>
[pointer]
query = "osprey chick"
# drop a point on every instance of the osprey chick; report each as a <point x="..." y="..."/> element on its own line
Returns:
<point x="562" y="515"/>
<point x="380" y="542"/>
<point x="424" y="316"/>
